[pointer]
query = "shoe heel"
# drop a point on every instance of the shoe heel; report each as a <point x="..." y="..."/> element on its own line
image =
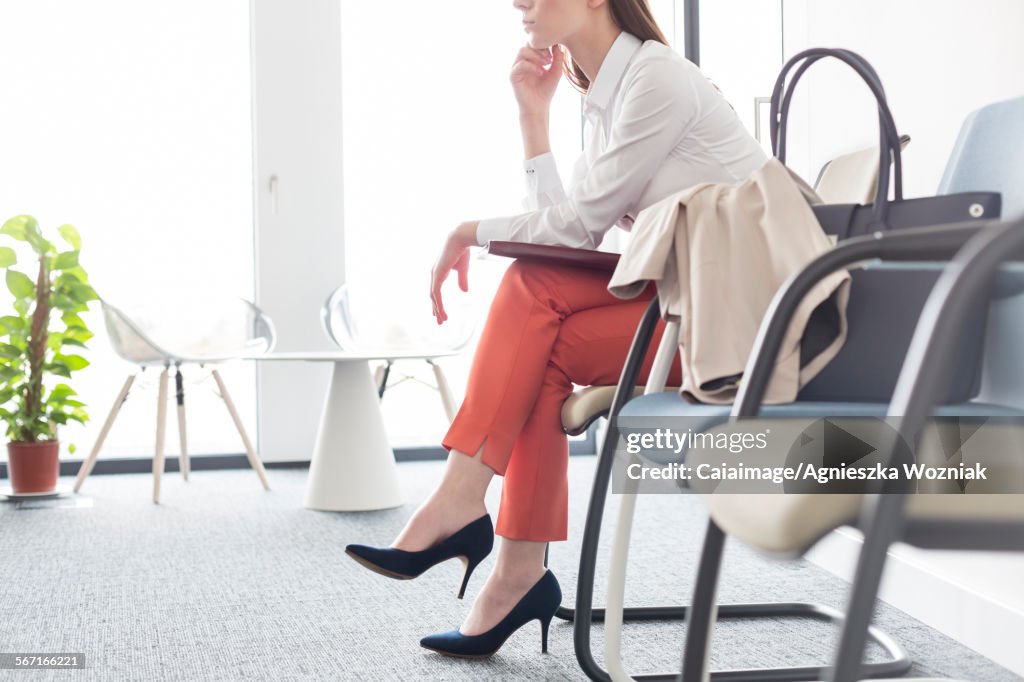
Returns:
<point x="470" y="565"/>
<point x="544" y="634"/>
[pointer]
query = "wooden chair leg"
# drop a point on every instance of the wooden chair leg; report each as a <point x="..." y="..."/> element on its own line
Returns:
<point x="90" y="461"/>
<point x="254" y="461"/>
<point x="179" y="385"/>
<point x="161" y="423"/>
<point x="447" y="399"/>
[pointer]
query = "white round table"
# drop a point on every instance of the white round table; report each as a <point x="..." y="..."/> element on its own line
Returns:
<point x="353" y="466"/>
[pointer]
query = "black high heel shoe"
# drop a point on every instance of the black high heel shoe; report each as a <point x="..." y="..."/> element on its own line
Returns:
<point x="472" y="543"/>
<point x="540" y="603"/>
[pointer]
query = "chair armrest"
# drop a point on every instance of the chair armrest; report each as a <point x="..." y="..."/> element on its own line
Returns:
<point x="564" y="256"/>
<point x="912" y="244"/>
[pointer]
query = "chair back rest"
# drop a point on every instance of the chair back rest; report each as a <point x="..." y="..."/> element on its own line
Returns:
<point x="370" y="318"/>
<point x="188" y="329"/>
<point x="989" y="156"/>
<point x="851" y="178"/>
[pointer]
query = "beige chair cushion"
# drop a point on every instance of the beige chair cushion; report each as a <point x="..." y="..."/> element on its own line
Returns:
<point x="789" y="523"/>
<point x="588" y="403"/>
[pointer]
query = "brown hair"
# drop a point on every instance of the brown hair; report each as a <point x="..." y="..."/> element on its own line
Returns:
<point x="632" y="16"/>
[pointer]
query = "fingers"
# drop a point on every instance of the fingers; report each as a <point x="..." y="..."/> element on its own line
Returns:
<point x="435" y="296"/>
<point x="531" y="54"/>
<point x="531" y="61"/>
<point x="462" y="267"/>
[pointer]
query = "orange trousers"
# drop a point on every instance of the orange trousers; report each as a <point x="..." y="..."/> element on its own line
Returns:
<point x="548" y="328"/>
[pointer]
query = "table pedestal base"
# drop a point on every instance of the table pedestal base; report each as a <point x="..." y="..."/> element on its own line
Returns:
<point x="353" y="466"/>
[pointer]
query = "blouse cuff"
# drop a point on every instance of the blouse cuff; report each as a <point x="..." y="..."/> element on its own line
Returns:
<point x="492" y="228"/>
<point x="543" y="184"/>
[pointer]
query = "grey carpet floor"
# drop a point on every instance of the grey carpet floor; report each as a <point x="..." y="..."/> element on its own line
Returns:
<point x="224" y="581"/>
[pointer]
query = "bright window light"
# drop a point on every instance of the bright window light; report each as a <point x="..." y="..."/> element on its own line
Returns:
<point x="132" y="121"/>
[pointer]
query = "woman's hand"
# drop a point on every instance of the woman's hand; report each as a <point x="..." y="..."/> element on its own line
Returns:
<point x="454" y="256"/>
<point x="535" y="75"/>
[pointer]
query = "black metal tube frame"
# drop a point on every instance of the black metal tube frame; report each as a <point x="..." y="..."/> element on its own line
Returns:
<point x="928" y="244"/>
<point x="916" y="244"/>
<point x="936" y="341"/>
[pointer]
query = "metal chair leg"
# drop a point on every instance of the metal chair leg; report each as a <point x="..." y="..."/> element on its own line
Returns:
<point x="700" y="620"/>
<point x="179" y="395"/>
<point x="380" y="378"/>
<point x="585" y="615"/>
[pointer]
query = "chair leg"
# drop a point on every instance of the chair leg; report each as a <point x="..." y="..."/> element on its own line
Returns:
<point x="447" y="399"/>
<point x="179" y="385"/>
<point x="380" y="378"/>
<point x="161" y="423"/>
<point x="614" y="615"/>
<point x="90" y="461"/>
<point x="864" y="590"/>
<point x="700" y="621"/>
<point x="585" y="615"/>
<point x="254" y="461"/>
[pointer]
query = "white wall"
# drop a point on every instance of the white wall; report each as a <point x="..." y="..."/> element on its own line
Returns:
<point x="938" y="61"/>
<point x="296" y="57"/>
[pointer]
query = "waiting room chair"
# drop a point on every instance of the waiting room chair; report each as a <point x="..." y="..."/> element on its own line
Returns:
<point x="351" y="319"/>
<point x="851" y="178"/>
<point x="788" y="524"/>
<point x="591" y="403"/>
<point x="987" y="154"/>
<point x="180" y="332"/>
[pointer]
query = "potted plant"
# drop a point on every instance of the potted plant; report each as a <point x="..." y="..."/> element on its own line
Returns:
<point x="38" y="348"/>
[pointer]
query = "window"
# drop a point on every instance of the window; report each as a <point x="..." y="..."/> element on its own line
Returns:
<point x="431" y="139"/>
<point x="132" y="121"/>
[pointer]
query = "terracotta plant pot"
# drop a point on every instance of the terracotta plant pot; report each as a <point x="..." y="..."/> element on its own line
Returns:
<point x="33" y="467"/>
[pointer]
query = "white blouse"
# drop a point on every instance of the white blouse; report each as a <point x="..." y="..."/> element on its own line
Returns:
<point x="654" y="125"/>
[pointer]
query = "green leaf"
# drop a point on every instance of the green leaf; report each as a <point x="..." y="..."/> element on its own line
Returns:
<point x="21" y="305"/>
<point x="67" y="304"/>
<point x="20" y="285"/>
<point x="70" y="319"/>
<point x="7" y="373"/>
<point x="78" y="333"/>
<point x="65" y="260"/>
<point x="58" y="368"/>
<point x="7" y="257"/>
<point x="71" y="236"/>
<point x="76" y="274"/>
<point x="62" y="391"/>
<point x="9" y="351"/>
<point x="71" y="448"/>
<point x="72" y="362"/>
<point x="34" y="236"/>
<point x="83" y="293"/>
<point x="18" y="227"/>
<point x="12" y="322"/>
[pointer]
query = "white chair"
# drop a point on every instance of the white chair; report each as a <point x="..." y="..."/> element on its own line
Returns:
<point x="178" y="332"/>
<point x="353" y="319"/>
<point x="851" y="178"/>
